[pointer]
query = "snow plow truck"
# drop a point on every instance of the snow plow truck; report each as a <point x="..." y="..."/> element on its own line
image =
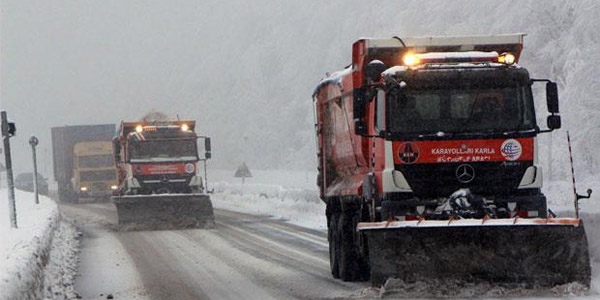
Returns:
<point x="160" y="186"/>
<point x="427" y="164"/>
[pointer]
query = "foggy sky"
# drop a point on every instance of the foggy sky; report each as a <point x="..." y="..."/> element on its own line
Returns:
<point x="245" y="70"/>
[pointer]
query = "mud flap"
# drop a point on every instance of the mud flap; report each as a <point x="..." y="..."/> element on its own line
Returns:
<point x="165" y="211"/>
<point x="539" y="253"/>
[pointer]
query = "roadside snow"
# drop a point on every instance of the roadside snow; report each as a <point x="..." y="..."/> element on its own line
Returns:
<point x="38" y="259"/>
<point x="60" y="273"/>
<point x="285" y="195"/>
<point x="273" y="193"/>
<point x="266" y="194"/>
<point x="561" y="198"/>
<point x="28" y="251"/>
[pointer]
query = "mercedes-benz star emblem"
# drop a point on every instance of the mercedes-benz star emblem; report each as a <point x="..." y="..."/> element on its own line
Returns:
<point x="465" y="173"/>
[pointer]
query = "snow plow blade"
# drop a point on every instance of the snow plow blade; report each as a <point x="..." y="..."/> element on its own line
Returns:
<point x="159" y="212"/>
<point x="534" y="252"/>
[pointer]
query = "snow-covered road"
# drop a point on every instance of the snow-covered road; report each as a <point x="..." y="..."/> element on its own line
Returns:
<point x="254" y="252"/>
<point x="244" y="257"/>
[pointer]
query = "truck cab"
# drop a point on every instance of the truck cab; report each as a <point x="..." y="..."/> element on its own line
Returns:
<point x="424" y="132"/>
<point x="94" y="174"/>
<point x="457" y="121"/>
<point x="158" y="158"/>
<point x="433" y="116"/>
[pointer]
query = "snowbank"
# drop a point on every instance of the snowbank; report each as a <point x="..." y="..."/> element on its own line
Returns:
<point x="24" y="251"/>
<point x="281" y="194"/>
<point x="30" y="263"/>
<point x="273" y="193"/>
<point x="38" y="259"/>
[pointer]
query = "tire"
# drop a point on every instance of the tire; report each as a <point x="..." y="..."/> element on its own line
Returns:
<point x="73" y="197"/>
<point x="65" y="195"/>
<point x="352" y="264"/>
<point x="334" y="250"/>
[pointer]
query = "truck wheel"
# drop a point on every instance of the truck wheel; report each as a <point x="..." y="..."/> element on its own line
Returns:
<point x="334" y="250"/>
<point x="73" y="197"/>
<point x="352" y="265"/>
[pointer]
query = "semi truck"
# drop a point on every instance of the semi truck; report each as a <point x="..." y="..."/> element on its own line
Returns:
<point x="82" y="162"/>
<point x="159" y="169"/>
<point x="94" y="175"/>
<point x="428" y="166"/>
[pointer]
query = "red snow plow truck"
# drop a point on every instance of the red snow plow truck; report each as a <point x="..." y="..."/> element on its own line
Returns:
<point x="160" y="186"/>
<point x="427" y="160"/>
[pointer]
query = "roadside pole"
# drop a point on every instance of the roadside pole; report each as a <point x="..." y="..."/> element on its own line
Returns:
<point x="33" y="141"/>
<point x="6" y="134"/>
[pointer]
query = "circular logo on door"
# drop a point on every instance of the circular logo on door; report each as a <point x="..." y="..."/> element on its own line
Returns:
<point x="408" y="153"/>
<point x="511" y="149"/>
<point x="189" y="168"/>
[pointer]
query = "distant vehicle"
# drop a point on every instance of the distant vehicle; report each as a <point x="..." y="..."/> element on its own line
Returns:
<point x="94" y="174"/>
<point x="83" y="165"/>
<point x="160" y="186"/>
<point x="24" y="182"/>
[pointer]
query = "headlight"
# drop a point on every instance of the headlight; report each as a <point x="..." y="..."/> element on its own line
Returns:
<point x="113" y="187"/>
<point x="507" y="58"/>
<point x="411" y="59"/>
<point x="83" y="188"/>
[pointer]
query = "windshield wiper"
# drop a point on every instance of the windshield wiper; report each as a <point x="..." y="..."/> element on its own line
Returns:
<point x="518" y="131"/>
<point x="439" y="134"/>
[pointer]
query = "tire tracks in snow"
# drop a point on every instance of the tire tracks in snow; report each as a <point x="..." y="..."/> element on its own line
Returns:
<point x="244" y="257"/>
<point x="270" y="253"/>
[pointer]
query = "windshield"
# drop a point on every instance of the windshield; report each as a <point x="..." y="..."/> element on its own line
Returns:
<point x="164" y="150"/>
<point x="454" y="111"/>
<point x="96" y="161"/>
<point x="105" y="175"/>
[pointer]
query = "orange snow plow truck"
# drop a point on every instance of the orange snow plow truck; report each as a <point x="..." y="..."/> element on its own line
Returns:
<point x="428" y="166"/>
<point x="160" y="186"/>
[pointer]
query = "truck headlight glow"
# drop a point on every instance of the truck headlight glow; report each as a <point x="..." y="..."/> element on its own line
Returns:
<point x="139" y="128"/>
<point x="411" y="59"/>
<point x="83" y="188"/>
<point x="507" y="58"/>
<point x="185" y="127"/>
<point x="113" y="187"/>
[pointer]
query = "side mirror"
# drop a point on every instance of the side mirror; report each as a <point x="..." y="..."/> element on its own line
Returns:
<point x="116" y="150"/>
<point x="360" y="127"/>
<point x="380" y="113"/>
<point x="552" y="97"/>
<point x="374" y="69"/>
<point x="207" y="150"/>
<point x="553" y="122"/>
<point x="359" y="104"/>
